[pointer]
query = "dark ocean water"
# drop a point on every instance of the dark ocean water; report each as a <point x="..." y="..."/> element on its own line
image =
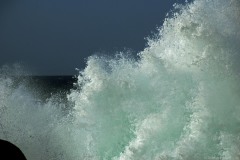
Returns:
<point x="46" y="86"/>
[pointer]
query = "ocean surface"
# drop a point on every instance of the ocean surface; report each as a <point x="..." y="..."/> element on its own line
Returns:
<point x="179" y="100"/>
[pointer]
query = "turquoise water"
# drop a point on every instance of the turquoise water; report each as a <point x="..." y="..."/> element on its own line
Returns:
<point x="179" y="100"/>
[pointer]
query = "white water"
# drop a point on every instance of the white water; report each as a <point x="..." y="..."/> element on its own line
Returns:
<point x="180" y="100"/>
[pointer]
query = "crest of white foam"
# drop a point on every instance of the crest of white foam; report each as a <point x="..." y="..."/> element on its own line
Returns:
<point x="203" y="35"/>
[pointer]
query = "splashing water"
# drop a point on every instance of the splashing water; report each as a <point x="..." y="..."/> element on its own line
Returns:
<point x="180" y="100"/>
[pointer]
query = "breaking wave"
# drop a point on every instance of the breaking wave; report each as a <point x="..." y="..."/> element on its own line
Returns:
<point x="179" y="100"/>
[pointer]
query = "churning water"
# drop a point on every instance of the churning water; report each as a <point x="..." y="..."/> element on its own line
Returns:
<point x="179" y="100"/>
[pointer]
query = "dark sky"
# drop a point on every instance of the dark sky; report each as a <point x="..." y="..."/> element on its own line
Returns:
<point x="53" y="37"/>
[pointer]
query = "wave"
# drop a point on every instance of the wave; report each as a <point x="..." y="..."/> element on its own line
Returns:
<point x="179" y="100"/>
